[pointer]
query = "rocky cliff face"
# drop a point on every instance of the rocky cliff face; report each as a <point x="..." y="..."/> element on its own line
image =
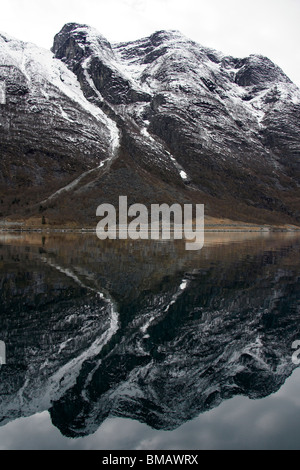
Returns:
<point x="49" y="131"/>
<point x="161" y="119"/>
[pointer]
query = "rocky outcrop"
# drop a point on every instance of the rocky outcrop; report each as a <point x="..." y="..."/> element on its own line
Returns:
<point x="171" y="119"/>
<point x="49" y="133"/>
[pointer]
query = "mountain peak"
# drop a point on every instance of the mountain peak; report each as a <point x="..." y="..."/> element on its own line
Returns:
<point x="86" y="37"/>
<point x="161" y="118"/>
<point x="166" y="34"/>
<point x="73" y="28"/>
<point x="258" y="69"/>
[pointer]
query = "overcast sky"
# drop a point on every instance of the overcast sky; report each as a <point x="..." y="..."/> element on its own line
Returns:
<point x="235" y="27"/>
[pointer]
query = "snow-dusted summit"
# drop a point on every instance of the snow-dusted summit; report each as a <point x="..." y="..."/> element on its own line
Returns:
<point x="158" y="119"/>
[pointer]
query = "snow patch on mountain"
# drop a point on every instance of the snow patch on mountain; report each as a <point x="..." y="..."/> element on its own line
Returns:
<point x="41" y="68"/>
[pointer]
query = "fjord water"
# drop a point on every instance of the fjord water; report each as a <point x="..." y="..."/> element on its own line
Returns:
<point x="143" y="345"/>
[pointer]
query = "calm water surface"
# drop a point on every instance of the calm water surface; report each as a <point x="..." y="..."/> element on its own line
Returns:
<point x="143" y="345"/>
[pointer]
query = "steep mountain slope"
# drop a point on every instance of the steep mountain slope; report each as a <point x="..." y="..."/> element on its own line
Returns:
<point x="49" y="131"/>
<point x="187" y="124"/>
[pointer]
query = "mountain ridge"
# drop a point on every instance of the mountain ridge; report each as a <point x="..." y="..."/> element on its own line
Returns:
<point x="173" y="121"/>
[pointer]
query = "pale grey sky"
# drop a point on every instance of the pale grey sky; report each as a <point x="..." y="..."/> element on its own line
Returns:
<point x="236" y="27"/>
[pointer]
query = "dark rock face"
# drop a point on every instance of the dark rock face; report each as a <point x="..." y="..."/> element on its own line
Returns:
<point x="259" y="71"/>
<point x="47" y="137"/>
<point x="84" y="50"/>
<point x="209" y="128"/>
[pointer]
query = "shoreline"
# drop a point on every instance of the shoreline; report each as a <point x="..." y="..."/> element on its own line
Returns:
<point x="208" y="229"/>
<point x="211" y="224"/>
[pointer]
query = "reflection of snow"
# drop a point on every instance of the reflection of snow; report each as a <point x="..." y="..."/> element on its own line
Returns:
<point x="68" y="373"/>
<point x="182" y="287"/>
<point x="2" y="93"/>
<point x="2" y="353"/>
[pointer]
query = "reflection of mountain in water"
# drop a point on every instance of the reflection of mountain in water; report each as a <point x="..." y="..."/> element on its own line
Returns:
<point x="184" y="333"/>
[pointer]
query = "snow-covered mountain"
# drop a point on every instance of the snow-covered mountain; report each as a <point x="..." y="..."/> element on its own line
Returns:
<point x="161" y="119"/>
